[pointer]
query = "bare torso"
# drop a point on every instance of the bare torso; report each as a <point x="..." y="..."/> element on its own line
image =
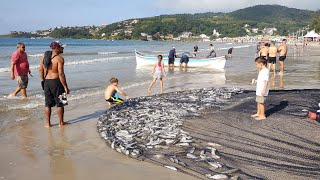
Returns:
<point x="283" y="49"/>
<point x="264" y="51"/>
<point x="110" y="91"/>
<point x="53" y="72"/>
<point x="273" y="51"/>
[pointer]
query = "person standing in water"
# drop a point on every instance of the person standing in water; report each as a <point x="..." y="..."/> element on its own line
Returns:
<point x="272" y="59"/>
<point x="172" y="56"/>
<point x="55" y="83"/>
<point x="195" y="50"/>
<point x="20" y="69"/>
<point x="283" y="50"/>
<point x="158" y="72"/>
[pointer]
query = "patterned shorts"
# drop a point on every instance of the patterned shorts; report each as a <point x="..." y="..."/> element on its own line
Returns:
<point x="22" y="81"/>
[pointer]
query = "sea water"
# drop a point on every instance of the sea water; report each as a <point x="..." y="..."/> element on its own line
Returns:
<point x="89" y="64"/>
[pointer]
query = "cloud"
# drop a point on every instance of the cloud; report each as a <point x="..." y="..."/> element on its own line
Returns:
<point x="195" y="6"/>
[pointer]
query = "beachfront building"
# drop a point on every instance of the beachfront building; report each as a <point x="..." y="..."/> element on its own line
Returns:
<point x="312" y="36"/>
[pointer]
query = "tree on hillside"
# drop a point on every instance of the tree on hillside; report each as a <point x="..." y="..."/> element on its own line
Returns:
<point x="315" y="22"/>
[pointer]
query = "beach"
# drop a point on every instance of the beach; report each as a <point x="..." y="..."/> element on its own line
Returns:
<point x="30" y="151"/>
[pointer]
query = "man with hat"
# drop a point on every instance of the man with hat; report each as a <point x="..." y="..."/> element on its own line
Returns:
<point x="55" y="84"/>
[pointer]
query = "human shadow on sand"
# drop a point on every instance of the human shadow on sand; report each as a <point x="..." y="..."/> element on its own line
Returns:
<point x="276" y="108"/>
<point x="87" y="117"/>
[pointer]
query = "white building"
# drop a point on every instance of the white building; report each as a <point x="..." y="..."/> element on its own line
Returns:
<point x="185" y="35"/>
<point x="215" y="33"/>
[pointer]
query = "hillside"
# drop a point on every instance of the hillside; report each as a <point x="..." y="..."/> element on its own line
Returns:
<point x="232" y="24"/>
<point x="260" y="19"/>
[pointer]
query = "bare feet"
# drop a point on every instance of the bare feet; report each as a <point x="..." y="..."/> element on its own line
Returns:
<point x="11" y="95"/>
<point x="47" y="125"/>
<point x="260" y="118"/>
<point x="63" y="124"/>
<point x="149" y="90"/>
<point x="255" y="115"/>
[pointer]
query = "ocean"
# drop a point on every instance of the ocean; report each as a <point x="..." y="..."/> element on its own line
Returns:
<point x="89" y="64"/>
<point x="70" y="152"/>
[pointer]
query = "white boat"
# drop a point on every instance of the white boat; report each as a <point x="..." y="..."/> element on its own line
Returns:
<point x="214" y="63"/>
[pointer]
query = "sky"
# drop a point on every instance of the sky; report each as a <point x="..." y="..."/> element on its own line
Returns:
<point x="22" y="15"/>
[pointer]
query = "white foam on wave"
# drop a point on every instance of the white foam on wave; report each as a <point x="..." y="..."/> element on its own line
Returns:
<point x="104" y="53"/>
<point x="35" y="55"/>
<point x="90" y="61"/>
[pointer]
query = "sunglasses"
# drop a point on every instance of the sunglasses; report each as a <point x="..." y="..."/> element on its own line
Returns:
<point x="23" y="47"/>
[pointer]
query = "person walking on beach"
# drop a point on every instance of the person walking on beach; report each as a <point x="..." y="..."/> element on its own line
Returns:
<point x="111" y="94"/>
<point x="262" y="89"/>
<point x="158" y="72"/>
<point x="55" y="84"/>
<point x="172" y="56"/>
<point x="283" y="50"/>
<point x="20" y="69"/>
<point x="272" y="58"/>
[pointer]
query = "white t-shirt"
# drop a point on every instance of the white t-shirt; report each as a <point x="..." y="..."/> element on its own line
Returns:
<point x="263" y="76"/>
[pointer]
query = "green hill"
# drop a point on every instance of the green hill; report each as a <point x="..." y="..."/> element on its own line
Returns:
<point x="237" y="23"/>
<point x="231" y="24"/>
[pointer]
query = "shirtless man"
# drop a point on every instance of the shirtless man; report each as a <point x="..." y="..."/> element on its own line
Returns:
<point x="273" y="50"/>
<point x="55" y="84"/>
<point x="111" y="95"/>
<point x="283" y="49"/>
<point x="263" y="51"/>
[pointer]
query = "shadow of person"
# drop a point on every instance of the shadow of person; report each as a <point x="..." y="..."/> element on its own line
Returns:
<point x="86" y="117"/>
<point x="276" y="108"/>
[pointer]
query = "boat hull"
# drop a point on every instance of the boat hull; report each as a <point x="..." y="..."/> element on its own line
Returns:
<point x="214" y="63"/>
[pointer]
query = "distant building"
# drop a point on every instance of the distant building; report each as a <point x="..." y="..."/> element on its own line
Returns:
<point x="185" y="35"/>
<point x="255" y="30"/>
<point x="215" y="33"/>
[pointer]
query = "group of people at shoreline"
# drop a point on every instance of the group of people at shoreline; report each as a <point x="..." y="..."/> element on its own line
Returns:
<point x="51" y="69"/>
<point x="55" y="86"/>
<point x="269" y="51"/>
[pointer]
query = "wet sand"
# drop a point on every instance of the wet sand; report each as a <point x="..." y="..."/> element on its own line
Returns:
<point x="30" y="151"/>
<point x="285" y="146"/>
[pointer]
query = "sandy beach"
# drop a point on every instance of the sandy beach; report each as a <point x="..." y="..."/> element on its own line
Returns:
<point x="284" y="147"/>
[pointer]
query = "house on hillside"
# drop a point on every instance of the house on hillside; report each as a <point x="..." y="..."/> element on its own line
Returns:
<point x="215" y="33"/>
<point x="185" y="35"/>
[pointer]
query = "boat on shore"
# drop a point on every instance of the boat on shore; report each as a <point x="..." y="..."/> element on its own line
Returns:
<point x="217" y="63"/>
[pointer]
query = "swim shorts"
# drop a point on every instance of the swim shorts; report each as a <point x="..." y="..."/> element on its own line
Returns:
<point x="260" y="99"/>
<point x="158" y="75"/>
<point x="282" y="58"/>
<point x="114" y="100"/>
<point x="53" y="88"/>
<point x="22" y="81"/>
<point x="171" y="61"/>
<point x="272" y="60"/>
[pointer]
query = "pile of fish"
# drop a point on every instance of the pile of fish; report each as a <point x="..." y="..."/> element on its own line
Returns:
<point x="154" y="123"/>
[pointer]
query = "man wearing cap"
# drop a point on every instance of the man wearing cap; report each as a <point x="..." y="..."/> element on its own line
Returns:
<point x="55" y="84"/>
<point x="172" y="56"/>
<point x="20" y="69"/>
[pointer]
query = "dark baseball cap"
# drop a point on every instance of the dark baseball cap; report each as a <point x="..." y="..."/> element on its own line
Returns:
<point x="56" y="44"/>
